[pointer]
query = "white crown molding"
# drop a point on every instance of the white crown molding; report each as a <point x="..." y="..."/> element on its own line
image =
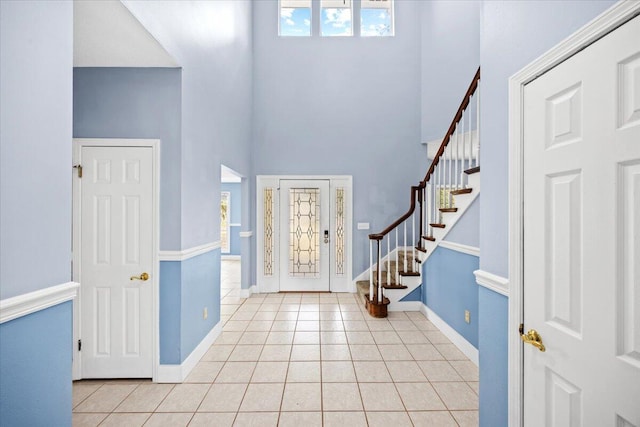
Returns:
<point x="189" y="253"/>
<point x="246" y="233"/>
<point x="459" y="247"/>
<point x="493" y="282"/>
<point x="21" y="305"/>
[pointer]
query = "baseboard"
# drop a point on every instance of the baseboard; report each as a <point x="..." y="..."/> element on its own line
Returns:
<point x="21" y="305"/>
<point x="458" y="340"/>
<point x="404" y="306"/>
<point x="178" y="373"/>
<point x="224" y="257"/>
<point x="246" y="293"/>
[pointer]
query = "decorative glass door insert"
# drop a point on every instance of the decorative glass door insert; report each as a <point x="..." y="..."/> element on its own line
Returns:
<point x="304" y="219"/>
<point x="304" y="233"/>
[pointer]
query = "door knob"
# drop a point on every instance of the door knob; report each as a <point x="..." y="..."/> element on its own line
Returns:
<point x="143" y="277"/>
<point x="532" y="337"/>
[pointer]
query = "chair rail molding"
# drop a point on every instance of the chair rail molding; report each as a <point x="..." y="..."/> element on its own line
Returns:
<point x="189" y="253"/>
<point x="493" y="282"/>
<point x="21" y="305"/>
<point x="459" y="247"/>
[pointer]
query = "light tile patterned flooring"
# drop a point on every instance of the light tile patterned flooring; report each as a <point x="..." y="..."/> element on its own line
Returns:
<point x="301" y="360"/>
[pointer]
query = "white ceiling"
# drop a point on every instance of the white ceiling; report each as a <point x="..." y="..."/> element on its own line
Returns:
<point x="106" y="34"/>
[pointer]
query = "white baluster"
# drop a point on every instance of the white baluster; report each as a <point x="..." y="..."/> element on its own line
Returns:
<point x="477" y="95"/>
<point x="379" y="276"/>
<point x="457" y="161"/>
<point x="470" y="148"/>
<point x="371" y="270"/>
<point x="413" y="240"/>
<point x="450" y="176"/>
<point x="429" y="188"/>
<point x="388" y="261"/>
<point x="464" y="145"/>
<point x="405" y="246"/>
<point x="397" y="263"/>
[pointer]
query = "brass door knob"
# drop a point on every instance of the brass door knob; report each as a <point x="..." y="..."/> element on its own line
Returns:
<point x="533" y="337"/>
<point x="143" y="277"/>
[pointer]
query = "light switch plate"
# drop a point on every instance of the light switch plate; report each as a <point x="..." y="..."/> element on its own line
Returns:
<point x="363" y="226"/>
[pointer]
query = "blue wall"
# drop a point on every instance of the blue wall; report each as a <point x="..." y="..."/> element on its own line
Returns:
<point x="186" y="287"/>
<point x="235" y="219"/>
<point x="137" y="103"/>
<point x="35" y="368"/>
<point x="36" y="53"/>
<point x="200" y="288"/>
<point x="342" y="105"/>
<point x="449" y="288"/>
<point x="467" y="231"/>
<point x="493" y="316"/>
<point x="212" y="42"/>
<point x="36" y="57"/>
<point x="448" y="62"/>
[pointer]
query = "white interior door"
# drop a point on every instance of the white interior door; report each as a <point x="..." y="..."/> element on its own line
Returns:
<point x="116" y="202"/>
<point x="304" y="235"/>
<point x="582" y="237"/>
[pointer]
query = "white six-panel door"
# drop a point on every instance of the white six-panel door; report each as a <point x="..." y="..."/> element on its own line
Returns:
<point x="116" y="229"/>
<point x="582" y="237"/>
<point x="304" y="235"/>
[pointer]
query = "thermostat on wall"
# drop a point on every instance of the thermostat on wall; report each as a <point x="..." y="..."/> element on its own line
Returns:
<point x="363" y="226"/>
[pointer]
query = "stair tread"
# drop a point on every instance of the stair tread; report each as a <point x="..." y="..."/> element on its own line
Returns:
<point x="421" y="249"/>
<point x="438" y="225"/>
<point x="472" y="170"/>
<point x="429" y="238"/>
<point x="409" y="273"/>
<point x="461" y="191"/>
<point x="445" y="210"/>
<point x="394" y="286"/>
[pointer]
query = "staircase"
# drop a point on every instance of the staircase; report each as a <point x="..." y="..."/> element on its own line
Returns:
<point x="450" y="185"/>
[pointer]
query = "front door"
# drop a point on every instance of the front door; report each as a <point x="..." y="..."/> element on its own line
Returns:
<point x="582" y="237"/>
<point x="304" y="235"/>
<point x="116" y="235"/>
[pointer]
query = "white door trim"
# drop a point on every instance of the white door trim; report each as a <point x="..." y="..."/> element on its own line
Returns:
<point x="346" y="181"/>
<point x="78" y="143"/>
<point x="608" y="21"/>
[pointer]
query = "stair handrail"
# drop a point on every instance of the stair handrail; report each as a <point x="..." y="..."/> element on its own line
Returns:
<point x="443" y="145"/>
<point x="375" y="301"/>
<point x="412" y="208"/>
<point x="445" y="141"/>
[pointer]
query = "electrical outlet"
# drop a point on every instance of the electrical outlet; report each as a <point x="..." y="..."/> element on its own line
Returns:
<point x="205" y="313"/>
<point x="467" y="316"/>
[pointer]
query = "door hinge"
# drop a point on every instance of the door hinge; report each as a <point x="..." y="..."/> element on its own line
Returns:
<point x="79" y="345"/>
<point x="79" y="168"/>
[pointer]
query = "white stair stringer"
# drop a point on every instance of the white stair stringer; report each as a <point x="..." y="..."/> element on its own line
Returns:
<point x="462" y="202"/>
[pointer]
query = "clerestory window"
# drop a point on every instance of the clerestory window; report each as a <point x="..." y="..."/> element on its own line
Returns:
<point x="295" y="18"/>
<point x="376" y="18"/>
